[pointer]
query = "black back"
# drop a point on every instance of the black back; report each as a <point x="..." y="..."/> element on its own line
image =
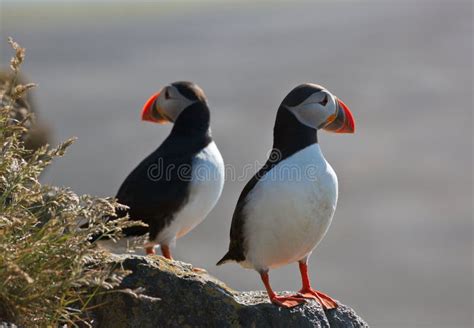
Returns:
<point x="289" y="137"/>
<point x="159" y="186"/>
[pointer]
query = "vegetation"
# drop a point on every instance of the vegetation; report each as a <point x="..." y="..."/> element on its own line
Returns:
<point x="49" y="272"/>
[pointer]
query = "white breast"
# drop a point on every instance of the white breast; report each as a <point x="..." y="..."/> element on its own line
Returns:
<point x="206" y="187"/>
<point x="289" y="210"/>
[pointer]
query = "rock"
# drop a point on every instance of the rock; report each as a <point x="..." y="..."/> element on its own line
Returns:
<point x="163" y="293"/>
<point x="4" y="324"/>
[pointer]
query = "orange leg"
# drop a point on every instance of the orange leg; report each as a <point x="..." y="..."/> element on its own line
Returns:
<point x="165" y="250"/>
<point x="284" y="301"/>
<point x="308" y="292"/>
<point x="150" y="250"/>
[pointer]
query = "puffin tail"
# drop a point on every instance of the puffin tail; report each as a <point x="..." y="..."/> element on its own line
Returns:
<point x="235" y="254"/>
<point x="227" y="258"/>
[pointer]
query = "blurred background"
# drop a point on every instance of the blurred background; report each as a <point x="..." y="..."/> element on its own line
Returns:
<point x="399" y="250"/>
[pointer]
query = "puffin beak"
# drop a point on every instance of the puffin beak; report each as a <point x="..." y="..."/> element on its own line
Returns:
<point x="342" y="121"/>
<point x="153" y="113"/>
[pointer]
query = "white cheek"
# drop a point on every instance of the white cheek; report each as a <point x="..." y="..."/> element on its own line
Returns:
<point x="312" y="115"/>
<point x="161" y="102"/>
<point x="331" y="106"/>
<point x="172" y="107"/>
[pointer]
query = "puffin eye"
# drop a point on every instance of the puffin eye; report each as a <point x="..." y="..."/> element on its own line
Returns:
<point x="167" y="94"/>
<point x="325" y="100"/>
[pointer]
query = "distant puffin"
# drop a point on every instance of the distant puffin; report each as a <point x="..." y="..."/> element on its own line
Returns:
<point x="285" y="210"/>
<point x="176" y="186"/>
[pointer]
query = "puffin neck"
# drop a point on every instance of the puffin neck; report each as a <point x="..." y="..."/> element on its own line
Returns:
<point x="290" y="135"/>
<point x="194" y="121"/>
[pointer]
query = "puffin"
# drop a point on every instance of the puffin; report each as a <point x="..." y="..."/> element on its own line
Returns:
<point x="176" y="186"/>
<point x="286" y="208"/>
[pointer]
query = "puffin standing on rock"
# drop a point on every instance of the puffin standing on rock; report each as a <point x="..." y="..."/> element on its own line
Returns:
<point x="176" y="186"/>
<point x="285" y="210"/>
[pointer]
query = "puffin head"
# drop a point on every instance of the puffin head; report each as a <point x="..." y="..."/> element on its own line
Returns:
<point x="167" y="104"/>
<point x="316" y="107"/>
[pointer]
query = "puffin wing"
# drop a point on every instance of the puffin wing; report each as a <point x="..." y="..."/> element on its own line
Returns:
<point x="156" y="190"/>
<point x="237" y="245"/>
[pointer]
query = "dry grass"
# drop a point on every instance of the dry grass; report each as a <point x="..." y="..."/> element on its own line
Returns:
<point x="49" y="272"/>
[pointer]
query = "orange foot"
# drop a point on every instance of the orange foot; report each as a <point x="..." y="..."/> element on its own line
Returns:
<point x="288" y="301"/>
<point x="326" y="302"/>
<point x="150" y="250"/>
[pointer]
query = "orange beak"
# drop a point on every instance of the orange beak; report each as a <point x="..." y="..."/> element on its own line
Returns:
<point x="342" y="121"/>
<point x="153" y="113"/>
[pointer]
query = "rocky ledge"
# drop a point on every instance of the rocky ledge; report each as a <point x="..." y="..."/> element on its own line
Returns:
<point x="163" y="293"/>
